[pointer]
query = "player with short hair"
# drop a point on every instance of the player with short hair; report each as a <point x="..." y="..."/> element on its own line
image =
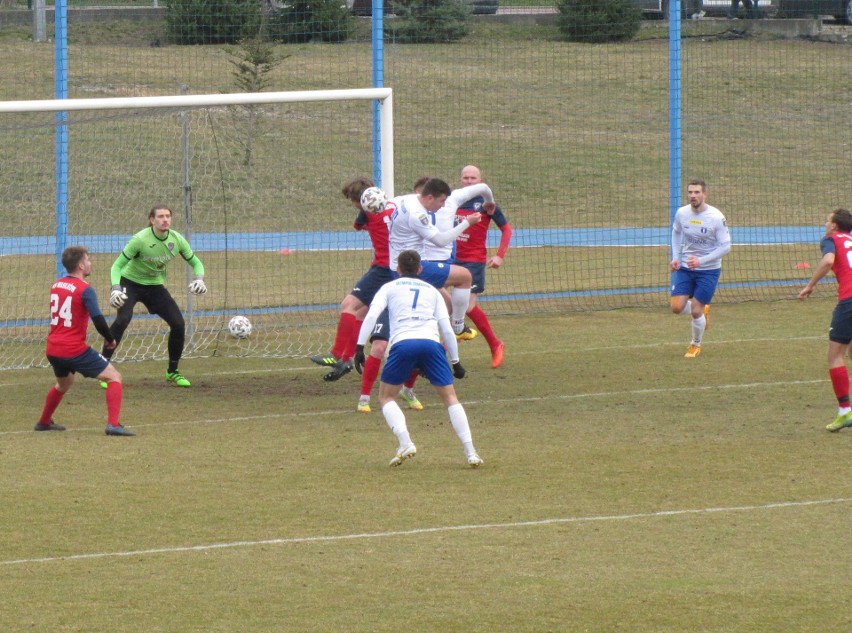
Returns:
<point x="700" y="238"/>
<point x="73" y="303"/>
<point x="418" y="322"/>
<point x="836" y="247"/>
<point x="413" y="225"/>
<point x="472" y="253"/>
<point x="355" y="304"/>
<point x="139" y="275"/>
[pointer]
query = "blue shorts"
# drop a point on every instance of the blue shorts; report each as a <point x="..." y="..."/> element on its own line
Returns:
<point x="369" y="284"/>
<point x="477" y="271"/>
<point x="89" y="364"/>
<point x="435" y="273"/>
<point x="841" y="323"/>
<point x="410" y="354"/>
<point x="381" y="330"/>
<point x="700" y="284"/>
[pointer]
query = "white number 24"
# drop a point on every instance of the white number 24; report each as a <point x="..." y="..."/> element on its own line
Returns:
<point x="57" y="311"/>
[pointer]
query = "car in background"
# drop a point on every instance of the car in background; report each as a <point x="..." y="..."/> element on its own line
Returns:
<point x="660" y="8"/>
<point x="479" y="7"/>
<point x="840" y="9"/>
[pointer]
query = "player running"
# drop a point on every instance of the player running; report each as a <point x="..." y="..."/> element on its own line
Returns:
<point x="139" y="275"/>
<point x="700" y="239"/>
<point x="72" y="303"/>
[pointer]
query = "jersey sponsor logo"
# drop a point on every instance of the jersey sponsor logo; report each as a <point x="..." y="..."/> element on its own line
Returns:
<point x="698" y="222"/>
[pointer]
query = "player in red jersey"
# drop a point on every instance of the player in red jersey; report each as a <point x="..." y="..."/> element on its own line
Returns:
<point x="355" y="305"/>
<point x="472" y="254"/>
<point x="836" y="247"/>
<point x="72" y="303"/>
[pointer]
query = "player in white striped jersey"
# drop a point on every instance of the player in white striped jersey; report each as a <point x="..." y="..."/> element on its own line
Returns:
<point x="418" y="321"/>
<point x="700" y="238"/>
<point x="413" y="225"/>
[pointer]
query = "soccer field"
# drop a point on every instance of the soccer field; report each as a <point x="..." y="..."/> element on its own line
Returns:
<point x="624" y="488"/>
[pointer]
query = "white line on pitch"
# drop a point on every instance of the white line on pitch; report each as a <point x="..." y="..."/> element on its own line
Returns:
<point x="431" y="530"/>
<point x="569" y="396"/>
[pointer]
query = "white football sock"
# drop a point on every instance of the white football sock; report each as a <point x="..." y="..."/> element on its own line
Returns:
<point x="687" y="309"/>
<point x="458" y="418"/>
<point x="461" y="300"/>
<point x="396" y="421"/>
<point x="698" y="326"/>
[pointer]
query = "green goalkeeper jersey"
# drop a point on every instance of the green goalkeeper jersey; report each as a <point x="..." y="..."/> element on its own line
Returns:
<point x="145" y="257"/>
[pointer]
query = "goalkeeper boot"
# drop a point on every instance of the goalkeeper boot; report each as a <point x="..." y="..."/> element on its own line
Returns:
<point x="50" y="426"/>
<point x="341" y="368"/>
<point x="406" y="452"/>
<point x="364" y="405"/>
<point x="474" y="460"/>
<point x="467" y="334"/>
<point x="325" y="361"/>
<point x="118" y="430"/>
<point x="410" y="398"/>
<point x="693" y="351"/>
<point x="177" y="378"/>
<point x="840" y="422"/>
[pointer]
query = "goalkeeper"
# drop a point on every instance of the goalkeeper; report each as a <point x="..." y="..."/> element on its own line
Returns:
<point x="139" y="274"/>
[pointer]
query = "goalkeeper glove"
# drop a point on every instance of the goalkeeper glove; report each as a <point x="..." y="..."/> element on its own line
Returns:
<point x="117" y="297"/>
<point x="359" y="359"/>
<point x="197" y="287"/>
<point x="458" y="370"/>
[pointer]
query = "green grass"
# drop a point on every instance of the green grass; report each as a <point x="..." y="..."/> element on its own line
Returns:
<point x="624" y="488"/>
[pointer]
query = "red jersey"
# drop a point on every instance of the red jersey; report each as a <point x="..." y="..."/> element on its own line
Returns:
<point x="70" y="300"/>
<point x="470" y="245"/>
<point x="842" y="266"/>
<point x="377" y="225"/>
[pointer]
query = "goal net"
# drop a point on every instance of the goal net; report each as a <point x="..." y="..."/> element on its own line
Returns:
<point x="253" y="180"/>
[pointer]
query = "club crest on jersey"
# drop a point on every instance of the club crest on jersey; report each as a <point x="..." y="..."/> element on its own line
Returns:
<point x="171" y="246"/>
<point x="424" y="220"/>
<point x="477" y="206"/>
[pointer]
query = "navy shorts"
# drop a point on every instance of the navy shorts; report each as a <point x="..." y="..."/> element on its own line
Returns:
<point x="841" y="323"/>
<point x="477" y="271"/>
<point x="381" y="330"/>
<point x="89" y="364"/>
<point x="410" y="354"/>
<point x="369" y="284"/>
<point x="700" y="284"/>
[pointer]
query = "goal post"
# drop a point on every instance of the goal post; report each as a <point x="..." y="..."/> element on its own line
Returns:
<point x="253" y="180"/>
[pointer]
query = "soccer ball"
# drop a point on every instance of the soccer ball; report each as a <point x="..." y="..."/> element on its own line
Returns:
<point x="373" y="200"/>
<point x="239" y="327"/>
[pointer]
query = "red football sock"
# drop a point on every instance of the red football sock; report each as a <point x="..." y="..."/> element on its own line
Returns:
<point x="371" y="373"/>
<point x="345" y="326"/>
<point x="410" y="382"/>
<point x="840" y="382"/>
<point x="480" y="320"/>
<point x="349" y="348"/>
<point x="51" y="402"/>
<point x="113" y="399"/>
